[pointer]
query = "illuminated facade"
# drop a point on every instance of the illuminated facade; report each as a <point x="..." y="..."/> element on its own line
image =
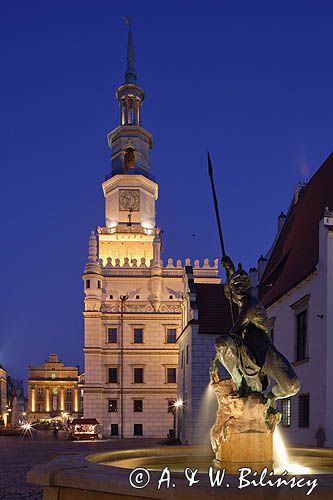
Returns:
<point x="53" y="390"/>
<point x="3" y="394"/>
<point x="132" y="300"/>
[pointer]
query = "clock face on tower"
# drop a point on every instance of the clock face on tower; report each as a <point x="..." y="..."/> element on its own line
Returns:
<point x="129" y="199"/>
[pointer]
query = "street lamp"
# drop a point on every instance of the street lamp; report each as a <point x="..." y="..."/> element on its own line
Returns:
<point x="178" y="404"/>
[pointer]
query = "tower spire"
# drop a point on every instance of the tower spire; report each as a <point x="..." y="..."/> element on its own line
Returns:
<point x="130" y="74"/>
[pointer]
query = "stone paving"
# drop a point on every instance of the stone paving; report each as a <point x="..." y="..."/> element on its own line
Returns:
<point x="18" y="455"/>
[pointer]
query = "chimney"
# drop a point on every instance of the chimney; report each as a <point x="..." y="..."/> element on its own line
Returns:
<point x="262" y="262"/>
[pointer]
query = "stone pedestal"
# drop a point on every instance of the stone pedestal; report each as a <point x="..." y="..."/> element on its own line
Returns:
<point x="242" y="435"/>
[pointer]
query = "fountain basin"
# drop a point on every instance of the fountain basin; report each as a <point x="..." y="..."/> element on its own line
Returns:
<point x="106" y="475"/>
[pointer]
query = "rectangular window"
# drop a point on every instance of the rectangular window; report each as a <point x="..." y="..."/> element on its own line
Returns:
<point x="187" y="355"/>
<point x="286" y="412"/>
<point x="69" y="407"/>
<point x="138" y="375"/>
<point x="113" y="375"/>
<point x="138" y="405"/>
<point x="171" y="405"/>
<point x="304" y="410"/>
<point x="114" y="430"/>
<point x="40" y="391"/>
<point x="113" y="405"/>
<point x="69" y="391"/>
<point x="87" y="283"/>
<point x="171" y="335"/>
<point x="98" y="284"/>
<point x="301" y="335"/>
<point x="40" y="407"/>
<point x="171" y="375"/>
<point x="112" y="335"/>
<point x="138" y="430"/>
<point x="138" y="335"/>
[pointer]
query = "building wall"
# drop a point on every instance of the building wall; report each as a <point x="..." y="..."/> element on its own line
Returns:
<point x="315" y="373"/>
<point x="52" y="389"/>
<point x="3" y="390"/>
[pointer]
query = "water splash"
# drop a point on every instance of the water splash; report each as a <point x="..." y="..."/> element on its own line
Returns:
<point x="205" y="417"/>
<point x="282" y="460"/>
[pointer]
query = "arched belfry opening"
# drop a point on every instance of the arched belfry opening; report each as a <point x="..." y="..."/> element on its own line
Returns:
<point x="129" y="158"/>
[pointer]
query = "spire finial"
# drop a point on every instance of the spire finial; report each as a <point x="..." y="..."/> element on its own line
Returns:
<point x="130" y="74"/>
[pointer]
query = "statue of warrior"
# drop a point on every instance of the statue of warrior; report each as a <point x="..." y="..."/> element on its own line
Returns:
<point x="247" y="351"/>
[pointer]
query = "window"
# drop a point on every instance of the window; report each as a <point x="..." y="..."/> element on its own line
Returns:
<point x="40" y="407"/>
<point x="55" y="390"/>
<point x="69" y="407"/>
<point x="69" y="391"/>
<point x="137" y="296"/>
<point x="187" y="355"/>
<point x="113" y="405"/>
<point x="98" y="284"/>
<point x="138" y="375"/>
<point x="301" y="335"/>
<point x="113" y="375"/>
<point x="286" y="412"/>
<point x="129" y="156"/>
<point x="53" y="376"/>
<point x="138" y="335"/>
<point x="114" y="430"/>
<point x="138" y="430"/>
<point x="171" y="405"/>
<point x="137" y="405"/>
<point x="304" y="410"/>
<point x="182" y="359"/>
<point x="112" y="335"/>
<point x="87" y="283"/>
<point x="40" y="391"/>
<point x="170" y="297"/>
<point x="171" y="335"/>
<point x="171" y="375"/>
<point x="110" y="296"/>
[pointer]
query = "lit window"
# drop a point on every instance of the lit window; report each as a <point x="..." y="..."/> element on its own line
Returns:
<point x="171" y="375"/>
<point x="113" y="375"/>
<point x="69" y="391"/>
<point x="112" y="335"/>
<point x="53" y="375"/>
<point x="301" y="335"/>
<point x="138" y="335"/>
<point x="286" y="412"/>
<point x="138" y="430"/>
<point x="113" y="405"/>
<point x="137" y="405"/>
<point x="304" y="410"/>
<point x="55" y="390"/>
<point x="138" y="375"/>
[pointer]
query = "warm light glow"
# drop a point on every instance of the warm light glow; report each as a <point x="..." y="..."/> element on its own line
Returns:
<point x="282" y="459"/>
<point x="178" y="403"/>
<point x="26" y="427"/>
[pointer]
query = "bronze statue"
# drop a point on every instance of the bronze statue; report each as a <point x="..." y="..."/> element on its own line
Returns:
<point x="247" y="351"/>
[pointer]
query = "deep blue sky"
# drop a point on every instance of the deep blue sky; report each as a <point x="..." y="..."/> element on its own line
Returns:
<point x="250" y="81"/>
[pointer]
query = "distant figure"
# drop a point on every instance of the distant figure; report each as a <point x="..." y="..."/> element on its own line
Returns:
<point x="55" y="433"/>
<point x="320" y="436"/>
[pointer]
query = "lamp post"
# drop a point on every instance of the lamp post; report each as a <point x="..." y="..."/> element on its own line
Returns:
<point x="178" y="404"/>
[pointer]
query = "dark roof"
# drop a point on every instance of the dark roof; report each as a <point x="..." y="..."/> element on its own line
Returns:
<point x="296" y="251"/>
<point x="213" y="309"/>
<point x="89" y="421"/>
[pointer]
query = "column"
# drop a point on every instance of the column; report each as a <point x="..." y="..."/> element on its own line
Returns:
<point x="33" y="400"/>
<point x="62" y="399"/>
<point x="47" y="399"/>
<point x="76" y="401"/>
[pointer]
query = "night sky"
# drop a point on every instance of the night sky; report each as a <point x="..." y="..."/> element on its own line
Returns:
<point x="250" y="81"/>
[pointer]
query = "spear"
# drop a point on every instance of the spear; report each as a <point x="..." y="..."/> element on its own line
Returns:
<point x="218" y="219"/>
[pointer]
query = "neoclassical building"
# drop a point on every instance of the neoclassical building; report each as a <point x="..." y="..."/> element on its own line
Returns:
<point x="132" y="306"/>
<point x="3" y="395"/>
<point x="53" y="390"/>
